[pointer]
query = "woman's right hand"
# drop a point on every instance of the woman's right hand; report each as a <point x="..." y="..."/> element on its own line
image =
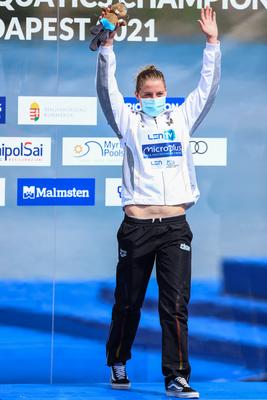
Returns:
<point x="109" y="41"/>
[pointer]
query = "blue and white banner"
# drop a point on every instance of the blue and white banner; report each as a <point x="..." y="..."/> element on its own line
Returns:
<point x="171" y="102"/>
<point x="2" y="110"/>
<point x="113" y="191"/>
<point x="56" y="192"/>
<point x="2" y="192"/>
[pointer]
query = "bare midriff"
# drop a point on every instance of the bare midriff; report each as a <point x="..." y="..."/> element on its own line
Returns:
<point x="147" y="212"/>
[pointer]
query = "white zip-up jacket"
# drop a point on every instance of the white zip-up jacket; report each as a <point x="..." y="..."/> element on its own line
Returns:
<point x="158" y="167"/>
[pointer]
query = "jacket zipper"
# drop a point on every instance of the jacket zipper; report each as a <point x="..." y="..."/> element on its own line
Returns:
<point x="164" y="191"/>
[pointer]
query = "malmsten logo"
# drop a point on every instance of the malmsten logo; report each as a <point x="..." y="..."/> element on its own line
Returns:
<point x="56" y="192"/>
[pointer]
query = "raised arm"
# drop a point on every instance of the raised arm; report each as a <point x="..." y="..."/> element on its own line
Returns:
<point x="198" y="103"/>
<point x="111" y="100"/>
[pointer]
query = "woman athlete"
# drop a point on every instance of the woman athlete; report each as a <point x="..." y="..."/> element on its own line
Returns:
<point x="159" y="185"/>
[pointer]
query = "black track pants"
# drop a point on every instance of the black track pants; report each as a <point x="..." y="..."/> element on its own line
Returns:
<point x="141" y="243"/>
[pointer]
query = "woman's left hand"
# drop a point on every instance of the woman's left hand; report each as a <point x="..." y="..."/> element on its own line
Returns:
<point x="208" y="24"/>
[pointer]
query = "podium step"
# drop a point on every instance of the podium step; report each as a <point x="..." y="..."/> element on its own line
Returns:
<point x="245" y="277"/>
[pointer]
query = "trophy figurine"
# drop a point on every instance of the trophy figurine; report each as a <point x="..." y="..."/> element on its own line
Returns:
<point x="111" y="17"/>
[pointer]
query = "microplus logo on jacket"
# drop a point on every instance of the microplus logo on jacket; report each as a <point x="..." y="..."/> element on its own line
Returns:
<point x="56" y="192"/>
<point x="162" y="150"/>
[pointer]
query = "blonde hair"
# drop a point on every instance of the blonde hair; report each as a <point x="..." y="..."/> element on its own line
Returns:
<point x="148" y="72"/>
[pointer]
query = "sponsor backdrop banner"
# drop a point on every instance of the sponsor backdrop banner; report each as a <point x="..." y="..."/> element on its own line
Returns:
<point x="60" y="188"/>
<point x="108" y="151"/>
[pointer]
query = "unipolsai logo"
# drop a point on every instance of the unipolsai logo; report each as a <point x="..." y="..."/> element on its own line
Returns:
<point x="34" y="112"/>
<point x="23" y="149"/>
<point x="27" y="151"/>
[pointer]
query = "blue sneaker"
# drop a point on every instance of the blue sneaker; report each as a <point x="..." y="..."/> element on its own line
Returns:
<point x="178" y="387"/>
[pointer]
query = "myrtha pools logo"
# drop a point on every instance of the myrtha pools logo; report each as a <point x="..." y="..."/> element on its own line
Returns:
<point x="56" y="192"/>
<point x="81" y="150"/>
<point x="34" y="112"/>
<point x="93" y="151"/>
<point x="102" y="149"/>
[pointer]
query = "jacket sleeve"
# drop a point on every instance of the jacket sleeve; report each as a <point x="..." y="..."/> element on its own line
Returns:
<point x="111" y="100"/>
<point x="198" y="103"/>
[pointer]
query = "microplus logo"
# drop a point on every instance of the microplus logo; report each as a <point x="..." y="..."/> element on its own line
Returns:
<point x="28" y="151"/>
<point x="2" y="110"/>
<point x="162" y="150"/>
<point x="56" y="192"/>
<point x="171" y="103"/>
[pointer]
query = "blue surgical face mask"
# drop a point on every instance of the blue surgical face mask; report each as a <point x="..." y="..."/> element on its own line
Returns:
<point x="153" y="107"/>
